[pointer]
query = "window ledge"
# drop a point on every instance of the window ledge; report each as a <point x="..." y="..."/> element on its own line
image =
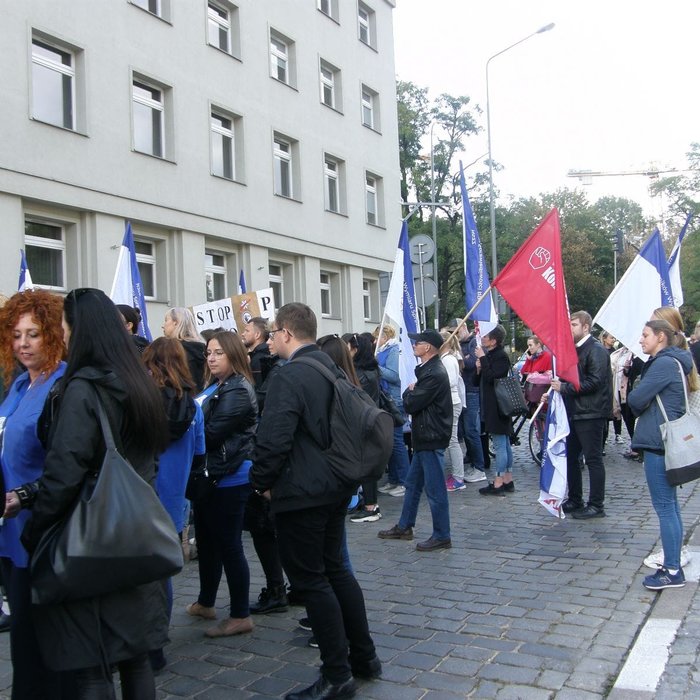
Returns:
<point x="226" y="53"/>
<point x="289" y="199"/>
<point x="330" y="17"/>
<point x="371" y="128"/>
<point x="164" y="159"/>
<point x="234" y="180"/>
<point x="382" y="226"/>
<point x="337" y="213"/>
<point x="151" y="14"/>
<point x="78" y="132"/>
<point x="333" y="109"/>
<point x="369" y="46"/>
<point x="281" y="82"/>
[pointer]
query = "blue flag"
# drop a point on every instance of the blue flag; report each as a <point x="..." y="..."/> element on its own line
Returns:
<point x="127" y="287"/>
<point x="674" y="265"/>
<point x="400" y="311"/>
<point x="475" y="271"/>
<point x="25" y="279"/>
<point x="241" y="283"/>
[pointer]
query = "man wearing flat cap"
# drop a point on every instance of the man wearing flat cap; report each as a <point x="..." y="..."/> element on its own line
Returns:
<point x="429" y="402"/>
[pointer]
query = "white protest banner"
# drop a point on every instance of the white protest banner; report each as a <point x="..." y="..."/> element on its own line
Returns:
<point x="234" y="312"/>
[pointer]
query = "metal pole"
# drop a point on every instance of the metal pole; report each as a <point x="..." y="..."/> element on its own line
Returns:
<point x="434" y="227"/>
<point x="422" y="282"/>
<point x="492" y="201"/>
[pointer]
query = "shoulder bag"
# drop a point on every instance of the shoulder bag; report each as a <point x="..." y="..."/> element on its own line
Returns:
<point x="509" y="396"/>
<point x="681" y="442"/>
<point x="117" y="536"/>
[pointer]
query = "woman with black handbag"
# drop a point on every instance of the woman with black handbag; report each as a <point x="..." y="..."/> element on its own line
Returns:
<point x="662" y="381"/>
<point x="230" y="416"/>
<point x="89" y="635"/>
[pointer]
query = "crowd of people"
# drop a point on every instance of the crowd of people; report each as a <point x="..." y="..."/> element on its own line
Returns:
<point x="232" y="433"/>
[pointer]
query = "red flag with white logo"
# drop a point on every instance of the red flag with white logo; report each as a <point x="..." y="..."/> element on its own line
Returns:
<point x="533" y="284"/>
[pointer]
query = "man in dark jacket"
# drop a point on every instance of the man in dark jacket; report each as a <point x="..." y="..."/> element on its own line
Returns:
<point x="588" y="410"/>
<point x="310" y="505"/>
<point x="429" y="402"/>
<point x="254" y="336"/>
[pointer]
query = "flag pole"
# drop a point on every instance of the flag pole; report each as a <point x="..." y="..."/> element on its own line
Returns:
<point x="470" y="312"/>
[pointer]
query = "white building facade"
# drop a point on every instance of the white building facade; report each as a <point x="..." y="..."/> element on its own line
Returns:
<point x="255" y="135"/>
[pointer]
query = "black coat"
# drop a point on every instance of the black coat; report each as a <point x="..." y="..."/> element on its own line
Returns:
<point x="369" y="381"/>
<point x="594" y="397"/>
<point x="132" y="620"/>
<point x="430" y="405"/>
<point x="194" y="350"/>
<point x="230" y="415"/>
<point x="494" y="365"/>
<point x="292" y="433"/>
<point x="257" y="358"/>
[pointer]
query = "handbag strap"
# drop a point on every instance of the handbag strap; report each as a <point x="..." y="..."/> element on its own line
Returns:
<point x="685" y="393"/>
<point x="104" y="423"/>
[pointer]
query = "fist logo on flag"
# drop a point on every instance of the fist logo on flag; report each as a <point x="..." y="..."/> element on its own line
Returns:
<point x="539" y="258"/>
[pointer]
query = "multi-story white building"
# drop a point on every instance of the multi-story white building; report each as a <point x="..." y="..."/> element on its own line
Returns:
<point x="248" y="134"/>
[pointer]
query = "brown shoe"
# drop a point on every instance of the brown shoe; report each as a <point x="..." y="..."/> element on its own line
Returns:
<point x="396" y="533"/>
<point x="197" y="610"/>
<point x="231" y="626"/>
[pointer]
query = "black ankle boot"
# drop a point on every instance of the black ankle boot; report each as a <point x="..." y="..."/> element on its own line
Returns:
<point x="271" y="600"/>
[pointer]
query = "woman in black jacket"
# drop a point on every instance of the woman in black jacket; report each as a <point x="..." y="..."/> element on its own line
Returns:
<point x="90" y="635"/>
<point x="230" y="415"/>
<point x="492" y="364"/>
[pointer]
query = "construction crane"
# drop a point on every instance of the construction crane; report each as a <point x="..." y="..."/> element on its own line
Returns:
<point x="585" y="176"/>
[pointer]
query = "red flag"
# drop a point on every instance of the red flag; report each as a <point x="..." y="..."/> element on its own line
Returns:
<point x="533" y="284"/>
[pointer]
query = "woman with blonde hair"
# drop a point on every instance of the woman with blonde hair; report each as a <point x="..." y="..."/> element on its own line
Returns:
<point x="450" y="355"/>
<point x="179" y="323"/>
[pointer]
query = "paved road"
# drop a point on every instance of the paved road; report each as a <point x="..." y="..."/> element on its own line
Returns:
<point x="523" y="606"/>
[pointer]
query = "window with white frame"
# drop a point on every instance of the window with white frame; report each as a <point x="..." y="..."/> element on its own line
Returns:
<point x="367" y="299"/>
<point x="223" y="161"/>
<point x="374" y="197"/>
<point x="215" y="275"/>
<point x="223" y="30"/>
<point x="331" y="86"/>
<point x="45" y="248"/>
<point x="326" y="294"/>
<point x="276" y="276"/>
<point x="334" y="184"/>
<point x="285" y="154"/>
<point x="282" y="58"/>
<point x="366" y="25"/>
<point x="370" y="108"/>
<point x="148" y="106"/>
<point x="159" y="8"/>
<point x="53" y="84"/>
<point x="146" y="262"/>
<point x="329" y="7"/>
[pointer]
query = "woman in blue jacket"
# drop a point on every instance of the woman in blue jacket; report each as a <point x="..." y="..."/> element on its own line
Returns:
<point x="663" y="376"/>
<point x="31" y="334"/>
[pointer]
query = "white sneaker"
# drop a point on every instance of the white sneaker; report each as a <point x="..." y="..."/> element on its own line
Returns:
<point x="656" y="559"/>
<point x="619" y="440"/>
<point x="397" y="491"/>
<point x="472" y="475"/>
<point x="387" y="487"/>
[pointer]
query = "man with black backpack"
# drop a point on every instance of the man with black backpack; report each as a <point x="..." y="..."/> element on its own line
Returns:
<point x="429" y="402"/>
<point x="309" y="499"/>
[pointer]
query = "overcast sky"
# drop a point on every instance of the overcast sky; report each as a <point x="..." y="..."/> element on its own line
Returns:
<point x="613" y="87"/>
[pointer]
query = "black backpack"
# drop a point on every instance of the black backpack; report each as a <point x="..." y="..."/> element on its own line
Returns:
<point x="362" y="435"/>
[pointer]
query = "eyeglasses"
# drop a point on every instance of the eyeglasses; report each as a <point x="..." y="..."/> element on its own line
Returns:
<point x="271" y="334"/>
<point x="216" y="353"/>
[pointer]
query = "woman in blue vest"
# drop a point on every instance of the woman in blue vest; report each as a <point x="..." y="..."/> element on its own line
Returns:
<point x="31" y="335"/>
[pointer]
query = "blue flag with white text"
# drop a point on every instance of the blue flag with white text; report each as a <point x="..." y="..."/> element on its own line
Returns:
<point x="127" y="287"/>
<point x="674" y="265"/>
<point x="25" y="279"/>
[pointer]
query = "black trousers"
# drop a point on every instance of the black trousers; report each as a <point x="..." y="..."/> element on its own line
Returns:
<point x="31" y="678"/>
<point x="586" y="437"/>
<point x="310" y="542"/>
<point x="136" y="678"/>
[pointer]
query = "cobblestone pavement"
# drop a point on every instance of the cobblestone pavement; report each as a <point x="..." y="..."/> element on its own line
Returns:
<point x="522" y="606"/>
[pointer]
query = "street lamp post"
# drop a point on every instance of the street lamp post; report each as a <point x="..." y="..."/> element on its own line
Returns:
<point x="492" y="201"/>
<point x="434" y="225"/>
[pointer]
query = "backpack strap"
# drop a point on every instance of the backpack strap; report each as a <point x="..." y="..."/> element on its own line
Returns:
<point x="319" y="367"/>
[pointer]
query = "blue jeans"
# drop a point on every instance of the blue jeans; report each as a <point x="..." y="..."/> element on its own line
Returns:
<point x="218" y="523"/>
<point x="398" y="459"/>
<point x="665" y="501"/>
<point x="426" y="470"/>
<point x="504" y="453"/>
<point x="471" y="425"/>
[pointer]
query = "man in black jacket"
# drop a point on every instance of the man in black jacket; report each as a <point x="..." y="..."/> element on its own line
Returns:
<point x="310" y="505"/>
<point x="588" y="410"/>
<point x="429" y="401"/>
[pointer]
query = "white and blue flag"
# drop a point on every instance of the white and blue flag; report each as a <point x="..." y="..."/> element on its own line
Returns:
<point x="674" y="265"/>
<point x="241" y="283"/>
<point x="401" y="312"/>
<point x="25" y="279"/>
<point x="645" y="286"/>
<point x="127" y="287"/>
<point x="553" y="482"/>
<point x="476" y="276"/>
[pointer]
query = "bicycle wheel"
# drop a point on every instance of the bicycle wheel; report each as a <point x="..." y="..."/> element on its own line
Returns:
<point x="536" y="438"/>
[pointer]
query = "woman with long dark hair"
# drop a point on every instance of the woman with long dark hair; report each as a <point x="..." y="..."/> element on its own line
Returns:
<point x="230" y="416"/>
<point x="91" y="635"/>
<point x="132" y="320"/>
<point x="31" y="335"/>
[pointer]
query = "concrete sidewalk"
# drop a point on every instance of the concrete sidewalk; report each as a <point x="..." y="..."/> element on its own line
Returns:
<point x="522" y="606"/>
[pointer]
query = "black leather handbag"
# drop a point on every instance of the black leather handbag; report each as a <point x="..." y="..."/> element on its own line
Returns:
<point x="117" y="536"/>
<point x="509" y="397"/>
<point x="386" y="403"/>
